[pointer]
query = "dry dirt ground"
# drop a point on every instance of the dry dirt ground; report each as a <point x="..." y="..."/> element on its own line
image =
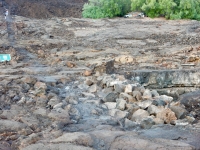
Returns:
<point x="47" y="98"/>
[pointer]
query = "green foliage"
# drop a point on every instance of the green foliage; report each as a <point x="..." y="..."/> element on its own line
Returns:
<point x="137" y="4"/>
<point x="171" y="9"/>
<point x="106" y="8"/>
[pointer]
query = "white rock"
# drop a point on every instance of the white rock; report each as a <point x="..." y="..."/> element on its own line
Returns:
<point x="21" y="101"/>
<point x="93" y="88"/>
<point x="111" y="105"/>
<point x="166" y="98"/>
<point x="139" y="115"/>
<point x="153" y="110"/>
<point x="128" y="89"/>
<point x="147" y="94"/>
<point x="144" y="104"/>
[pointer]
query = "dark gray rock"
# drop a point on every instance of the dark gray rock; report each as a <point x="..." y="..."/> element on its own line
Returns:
<point x="179" y="111"/>
<point x="159" y="102"/>
<point x="191" y="101"/>
<point x="147" y="123"/>
<point x="111" y="97"/>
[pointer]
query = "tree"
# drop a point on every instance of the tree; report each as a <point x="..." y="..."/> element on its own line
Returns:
<point x="171" y="9"/>
<point x="106" y="8"/>
<point x="167" y="7"/>
<point x="136" y="5"/>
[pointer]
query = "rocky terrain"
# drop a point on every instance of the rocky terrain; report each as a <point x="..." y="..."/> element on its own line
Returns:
<point x="121" y="83"/>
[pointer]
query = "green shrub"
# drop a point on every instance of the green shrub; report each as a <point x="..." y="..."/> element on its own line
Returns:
<point x="171" y="9"/>
<point x="106" y="8"/>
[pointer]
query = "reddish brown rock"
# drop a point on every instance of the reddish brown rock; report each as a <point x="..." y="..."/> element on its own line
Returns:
<point x="167" y="115"/>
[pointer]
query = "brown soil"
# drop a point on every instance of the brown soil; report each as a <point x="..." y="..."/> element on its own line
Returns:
<point x="45" y="8"/>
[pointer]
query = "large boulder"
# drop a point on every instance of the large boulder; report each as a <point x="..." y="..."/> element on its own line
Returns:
<point x="191" y="101"/>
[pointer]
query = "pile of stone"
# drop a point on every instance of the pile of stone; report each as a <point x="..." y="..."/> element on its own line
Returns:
<point x="132" y="105"/>
<point x="34" y="110"/>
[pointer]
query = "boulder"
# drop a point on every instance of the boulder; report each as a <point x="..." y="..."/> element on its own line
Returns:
<point x="127" y="97"/>
<point x="144" y="104"/>
<point x="147" y="123"/>
<point x="40" y="88"/>
<point x="191" y="101"/>
<point x="153" y="110"/>
<point x="190" y="119"/>
<point x="111" y="97"/>
<point x="121" y="104"/>
<point x="139" y="114"/>
<point x="154" y="93"/>
<point x="167" y="115"/>
<point x="111" y="105"/>
<point x="129" y="124"/>
<point x="119" y="88"/>
<point x="137" y="95"/>
<point x="179" y="111"/>
<point x="166" y="99"/>
<point x="105" y="67"/>
<point x="147" y="94"/>
<point x="128" y="89"/>
<point x="159" y="102"/>
<point x="131" y="108"/>
<point x="92" y="88"/>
